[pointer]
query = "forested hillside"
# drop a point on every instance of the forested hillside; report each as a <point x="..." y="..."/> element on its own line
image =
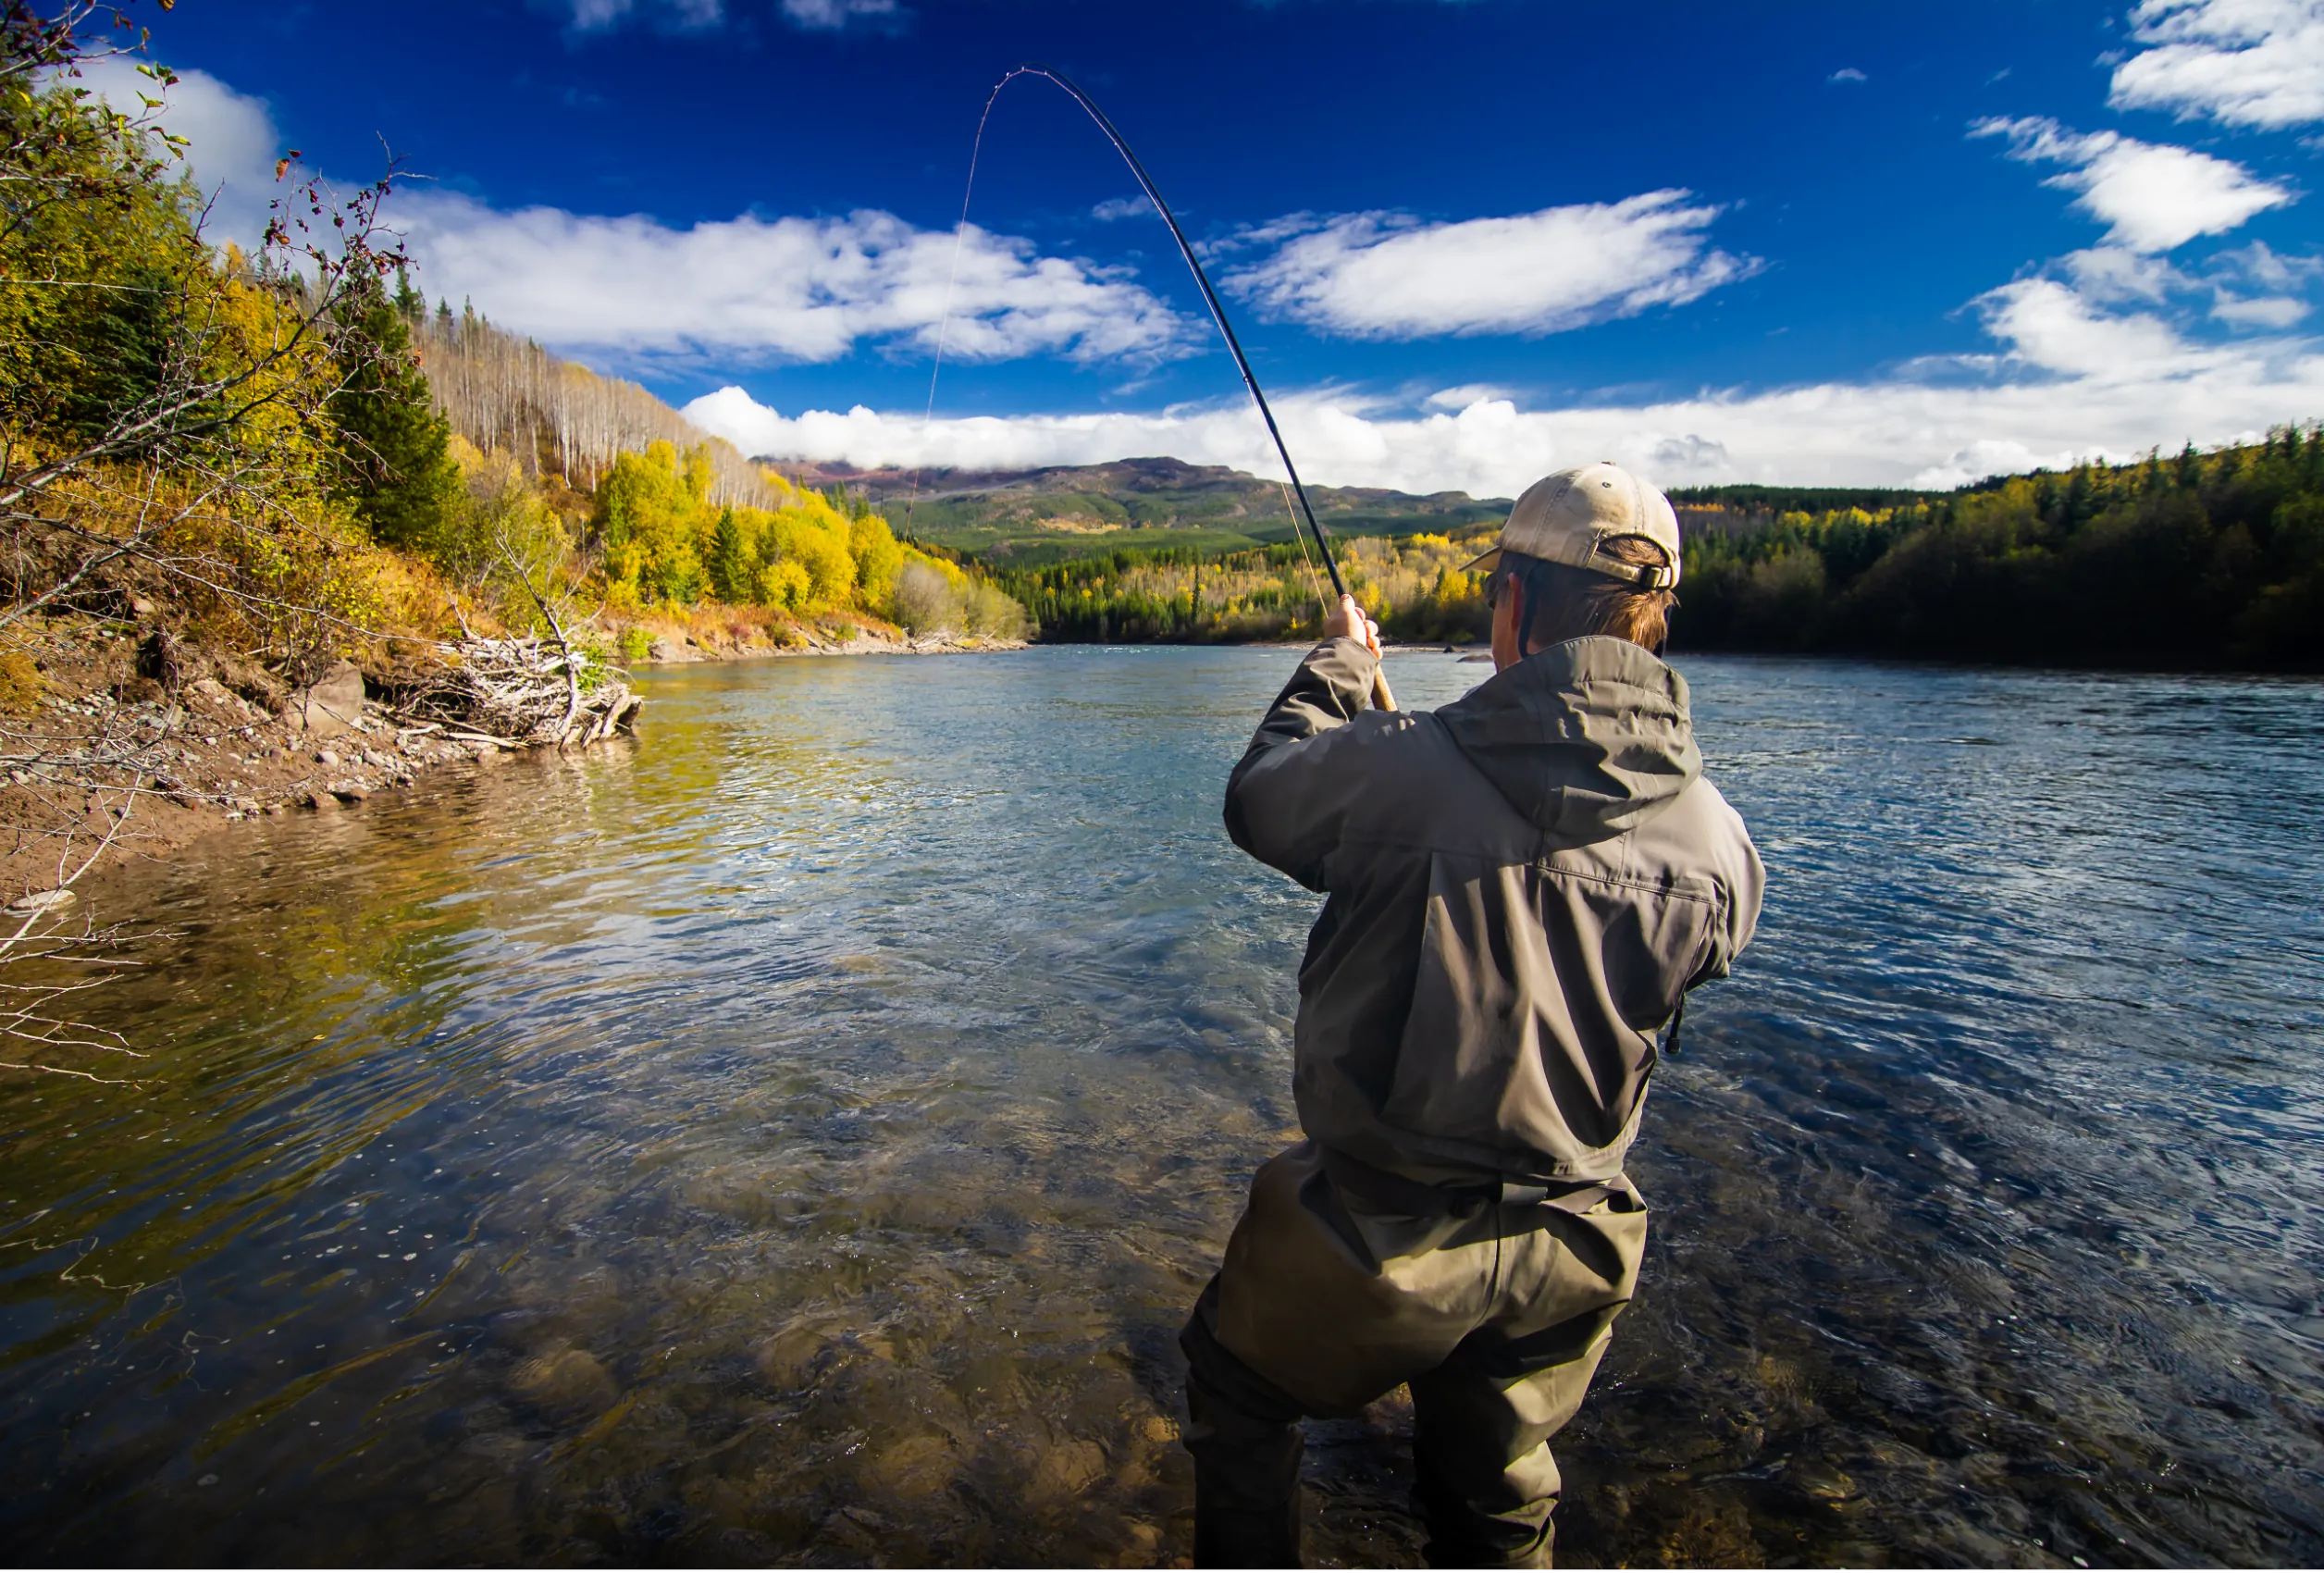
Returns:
<point x="1032" y="517"/>
<point x="2196" y="560"/>
<point x="1182" y="595"/>
<point x="503" y="392"/>
<point x="662" y="518"/>
<point x="2200" y="560"/>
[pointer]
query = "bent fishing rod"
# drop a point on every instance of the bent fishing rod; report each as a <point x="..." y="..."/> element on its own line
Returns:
<point x="1381" y="697"/>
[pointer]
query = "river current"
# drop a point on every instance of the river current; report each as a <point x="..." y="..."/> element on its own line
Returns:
<point x="797" y="1138"/>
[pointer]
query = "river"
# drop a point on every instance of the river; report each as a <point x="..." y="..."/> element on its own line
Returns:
<point x="797" y="1138"/>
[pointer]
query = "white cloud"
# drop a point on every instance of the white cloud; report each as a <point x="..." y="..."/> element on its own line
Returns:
<point x="2071" y="385"/>
<point x="2111" y="275"/>
<point x="1388" y="276"/>
<point x="1462" y="397"/>
<point x="2251" y="287"/>
<point x="2054" y="327"/>
<point x="832" y="15"/>
<point x="792" y="289"/>
<point x="232" y="144"/>
<point x="1116" y="209"/>
<point x="2265" y="268"/>
<point x="597" y="16"/>
<point x="2278" y="312"/>
<point x="2153" y="196"/>
<point x="2244" y="62"/>
<point x="1847" y="74"/>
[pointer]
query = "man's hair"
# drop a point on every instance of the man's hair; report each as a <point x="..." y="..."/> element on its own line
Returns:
<point x="1569" y="603"/>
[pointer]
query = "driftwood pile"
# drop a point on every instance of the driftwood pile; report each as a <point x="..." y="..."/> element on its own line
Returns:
<point x="528" y="690"/>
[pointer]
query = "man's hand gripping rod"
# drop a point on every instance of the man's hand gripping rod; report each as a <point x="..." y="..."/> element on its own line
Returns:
<point x="1381" y="697"/>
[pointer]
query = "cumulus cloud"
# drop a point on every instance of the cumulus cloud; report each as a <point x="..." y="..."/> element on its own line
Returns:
<point x="2112" y="275"/>
<point x="833" y="15"/>
<point x="785" y="289"/>
<point x="830" y="16"/>
<point x="2053" y="327"/>
<point x="2265" y="311"/>
<point x="1116" y="209"/>
<point x="595" y="16"/>
<point x="1847" y="74"/>
<point x="2154" y="197"/>
<point x="2260" y="266"/>
<point x="2251" y="287"/>
<point x="2243" y="62"/>
<point x="791" y="289"/>
<point x="1389" y="276"/>
<point x="2070" y="384"/>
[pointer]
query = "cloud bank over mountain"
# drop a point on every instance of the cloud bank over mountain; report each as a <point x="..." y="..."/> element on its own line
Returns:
<point x="2123" y="381"/>
<point x="2106" y="349"/>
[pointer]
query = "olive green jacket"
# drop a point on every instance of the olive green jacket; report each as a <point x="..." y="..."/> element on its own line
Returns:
<point x="1523" y="885"/>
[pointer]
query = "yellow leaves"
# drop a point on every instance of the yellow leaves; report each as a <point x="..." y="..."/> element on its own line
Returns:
<point x="700" y="472"/>
<point x="665" y="539"/>
<point x="785" y="586"/>
<point x="878" y="559"/>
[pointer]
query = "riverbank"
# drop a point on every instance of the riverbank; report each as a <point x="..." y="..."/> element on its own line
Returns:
<point x="229" y="741"/>
<point x="746" y="639"/>
<point x="213" y="740"/>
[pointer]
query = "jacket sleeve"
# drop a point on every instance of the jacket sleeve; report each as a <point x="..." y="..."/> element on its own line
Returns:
<point x="1744" y="878"/>
<point x="1288" y="799"/>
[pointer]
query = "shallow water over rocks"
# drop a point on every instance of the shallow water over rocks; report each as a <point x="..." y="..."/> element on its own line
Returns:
<point x="797" y="1138"/>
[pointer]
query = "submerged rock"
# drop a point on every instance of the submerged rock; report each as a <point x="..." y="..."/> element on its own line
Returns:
<point x="568" y="1379"/>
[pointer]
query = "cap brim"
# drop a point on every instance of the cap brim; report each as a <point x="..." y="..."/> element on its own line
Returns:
<point x="1484" y="565"/>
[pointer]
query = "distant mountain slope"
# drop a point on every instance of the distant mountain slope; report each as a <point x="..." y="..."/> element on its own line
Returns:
<point x="1071" y="511"/>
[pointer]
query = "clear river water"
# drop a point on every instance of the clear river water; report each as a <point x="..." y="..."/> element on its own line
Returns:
<point x="796" y="1138"/>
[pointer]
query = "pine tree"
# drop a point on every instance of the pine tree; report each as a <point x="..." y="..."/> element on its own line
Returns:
<point x="395" y="467"/>
<point x="410" y="304"/>
<point x="731" y="569"/>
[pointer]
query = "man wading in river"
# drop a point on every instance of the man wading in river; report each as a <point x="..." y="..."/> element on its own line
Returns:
<point x="1523" y="886"/>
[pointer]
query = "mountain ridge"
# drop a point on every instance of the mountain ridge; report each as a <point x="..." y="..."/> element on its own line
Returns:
<point x="1068" y="510"/>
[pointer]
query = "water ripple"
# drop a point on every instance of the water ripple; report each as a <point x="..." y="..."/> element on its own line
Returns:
<point x="796" y="1139"/>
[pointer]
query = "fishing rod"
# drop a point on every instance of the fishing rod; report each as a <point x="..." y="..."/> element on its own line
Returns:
<point x="1381" y="697"/>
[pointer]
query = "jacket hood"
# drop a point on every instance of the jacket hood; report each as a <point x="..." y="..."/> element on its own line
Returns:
<point x="1587" y="740"/>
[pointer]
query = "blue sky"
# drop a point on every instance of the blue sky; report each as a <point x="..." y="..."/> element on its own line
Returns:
<point x="1465" y="240"/>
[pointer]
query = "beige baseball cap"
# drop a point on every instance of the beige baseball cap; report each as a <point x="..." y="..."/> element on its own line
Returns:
<point x="1568" y="517"/>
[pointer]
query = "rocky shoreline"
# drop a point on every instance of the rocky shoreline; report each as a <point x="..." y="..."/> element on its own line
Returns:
<point x="233" y="744"/>
<point x="664" y="649"/>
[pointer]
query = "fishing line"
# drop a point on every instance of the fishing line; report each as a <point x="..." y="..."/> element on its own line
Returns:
<point x="952" y="276"/>
<point x="1381" y="696"/>
<point x="1309" y="563"/>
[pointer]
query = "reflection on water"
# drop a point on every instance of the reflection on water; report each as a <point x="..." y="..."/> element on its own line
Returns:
<point x="797" y="1139"/>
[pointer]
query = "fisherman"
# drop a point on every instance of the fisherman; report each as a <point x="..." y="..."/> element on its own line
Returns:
<point x="1523" y="886"/>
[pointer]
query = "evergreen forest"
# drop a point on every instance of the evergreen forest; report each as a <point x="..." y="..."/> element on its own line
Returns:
<point x="2198" y="560"/>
